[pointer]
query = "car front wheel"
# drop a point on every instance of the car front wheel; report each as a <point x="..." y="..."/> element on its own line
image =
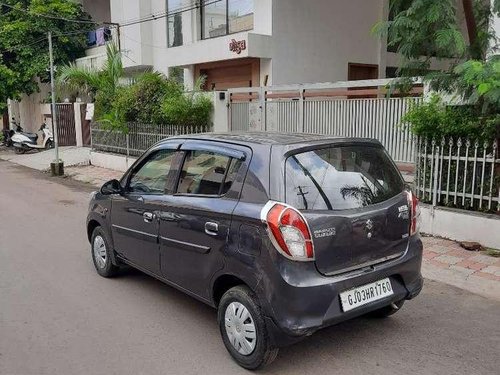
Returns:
<point x="243" y="329"/>
<point x="101" y="251"/>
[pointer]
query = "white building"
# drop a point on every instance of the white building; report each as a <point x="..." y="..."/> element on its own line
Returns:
<point x="238" y="43"/>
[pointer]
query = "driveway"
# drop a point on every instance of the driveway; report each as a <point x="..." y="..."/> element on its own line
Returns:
<point x="57" y="316"/>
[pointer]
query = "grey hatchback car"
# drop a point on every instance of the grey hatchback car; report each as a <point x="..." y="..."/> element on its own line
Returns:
<point x="283" y="233"/>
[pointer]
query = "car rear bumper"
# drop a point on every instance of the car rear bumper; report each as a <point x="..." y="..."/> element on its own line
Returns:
<point x="297" y="308"/>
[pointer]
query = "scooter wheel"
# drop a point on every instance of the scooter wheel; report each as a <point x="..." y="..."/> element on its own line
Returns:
<point x="49" y="145"/>
<point x="19" y="150"/>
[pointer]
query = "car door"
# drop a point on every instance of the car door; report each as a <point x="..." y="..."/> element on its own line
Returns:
<point x="134" y="213"/>
<point x="195" y="220"/>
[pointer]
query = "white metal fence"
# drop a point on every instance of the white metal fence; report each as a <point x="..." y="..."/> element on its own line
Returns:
<point x="346" y="109"/>
<point x="139" y="137"/>
<point x="458" y="173"/>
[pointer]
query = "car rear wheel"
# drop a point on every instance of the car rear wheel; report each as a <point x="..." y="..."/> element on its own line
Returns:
<point x="101" y="254"/>
<point x="386" y="311"/>
<point x="243" y="329"/>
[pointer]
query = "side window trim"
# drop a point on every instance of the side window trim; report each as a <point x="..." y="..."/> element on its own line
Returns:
<point x="182" y="159"/>
<point x="218" y="149"/>
<point x="175" y="173"/>
<point x="223" y="182"/>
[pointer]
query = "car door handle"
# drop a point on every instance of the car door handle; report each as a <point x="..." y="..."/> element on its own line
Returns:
<point x="212" y="229"/>
<point x="148" y="217"/>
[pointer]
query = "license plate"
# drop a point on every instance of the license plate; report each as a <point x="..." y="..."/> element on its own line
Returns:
<point x="366" y="294"/>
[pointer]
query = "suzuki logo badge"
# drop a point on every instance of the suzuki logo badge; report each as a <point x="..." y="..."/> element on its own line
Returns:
<point x="369" y="227"/>
<point x="369" y="224"/>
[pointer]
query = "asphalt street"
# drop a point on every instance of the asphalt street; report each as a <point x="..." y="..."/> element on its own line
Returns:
<point x="57" y="316"/>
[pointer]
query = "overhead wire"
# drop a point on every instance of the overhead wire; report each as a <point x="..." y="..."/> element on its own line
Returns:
<point x="192" y="4"/>
<point x="44" y="39"/>
<point x="154" y="17"/>
<point x="148" y="18"/>
<point x="45" y="15"/>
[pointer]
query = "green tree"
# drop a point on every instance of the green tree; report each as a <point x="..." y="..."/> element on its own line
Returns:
<point x="425" y="30"/>
<point x="24" y="46"/>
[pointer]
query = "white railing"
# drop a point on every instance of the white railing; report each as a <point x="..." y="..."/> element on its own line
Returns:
<point x="345" y="109"/>
<point x="458" y="173"/>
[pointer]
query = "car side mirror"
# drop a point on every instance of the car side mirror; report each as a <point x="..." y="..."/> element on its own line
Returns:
<point x="111" y="187"/>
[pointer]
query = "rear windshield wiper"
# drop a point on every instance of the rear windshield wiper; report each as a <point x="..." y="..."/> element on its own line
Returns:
<point x="320" y="190"/>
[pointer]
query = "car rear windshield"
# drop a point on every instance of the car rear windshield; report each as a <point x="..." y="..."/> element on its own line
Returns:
<point x="339" y="178"/>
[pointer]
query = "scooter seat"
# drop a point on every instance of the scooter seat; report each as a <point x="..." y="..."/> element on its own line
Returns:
<point x="32" y="136"/>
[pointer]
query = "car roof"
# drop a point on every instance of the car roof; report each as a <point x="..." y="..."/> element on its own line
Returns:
<point x="274" y="138"/>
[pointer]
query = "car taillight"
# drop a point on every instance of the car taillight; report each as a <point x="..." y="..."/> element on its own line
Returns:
<point x="414" y="213"/>
<point x="289" y="231"/>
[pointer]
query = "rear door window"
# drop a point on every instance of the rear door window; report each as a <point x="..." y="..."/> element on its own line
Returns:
<point x="339" y="178"/>
<point x="207" y="173"/>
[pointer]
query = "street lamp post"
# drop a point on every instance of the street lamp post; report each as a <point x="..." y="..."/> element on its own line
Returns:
<point x="57" y="166"/>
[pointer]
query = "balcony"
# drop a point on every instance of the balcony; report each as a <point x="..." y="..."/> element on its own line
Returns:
<point x="95" y="54"/>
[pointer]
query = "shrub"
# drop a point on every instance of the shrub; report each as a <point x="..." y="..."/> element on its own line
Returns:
<point x="190" y="109"/>
<point x="103" y="102"/>
<point x="435" y="119"/>
<point x="114" y="121"/>
<point x="142" y="101"/>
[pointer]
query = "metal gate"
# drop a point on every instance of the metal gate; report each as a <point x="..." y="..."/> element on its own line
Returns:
<point x="66" y="124"/>
<point x="332" y="109"/>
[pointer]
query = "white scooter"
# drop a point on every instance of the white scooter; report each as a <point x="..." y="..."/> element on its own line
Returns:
<point x="23" y="142"/>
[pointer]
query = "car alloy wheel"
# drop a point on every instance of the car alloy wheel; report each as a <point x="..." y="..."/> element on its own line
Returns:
<point x="100" y="254"/>
<point x="240" y="328"/>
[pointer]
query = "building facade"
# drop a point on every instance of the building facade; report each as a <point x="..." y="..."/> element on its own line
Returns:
<point x="241" y="43"/>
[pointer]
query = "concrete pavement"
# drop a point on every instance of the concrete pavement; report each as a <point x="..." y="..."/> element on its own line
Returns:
<point x="57" y="316"/>
<point x="92" y="175"/>
<point x="447" y="262"/>
<point x="71" y="155"/>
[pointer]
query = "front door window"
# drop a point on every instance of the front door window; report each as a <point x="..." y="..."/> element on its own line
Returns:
<point x="151" y="177"/>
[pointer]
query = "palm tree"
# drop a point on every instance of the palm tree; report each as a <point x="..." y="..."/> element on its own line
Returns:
<point x="95" y="82"/>
<point x="100" y="84"/>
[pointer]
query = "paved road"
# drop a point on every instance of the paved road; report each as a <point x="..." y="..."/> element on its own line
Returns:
<point x="57" y="316"/>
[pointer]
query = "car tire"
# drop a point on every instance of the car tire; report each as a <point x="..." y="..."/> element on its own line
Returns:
<point x="387" y="311"/>
<point x="100" y="251"/>
<point x="240" y="309"/>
